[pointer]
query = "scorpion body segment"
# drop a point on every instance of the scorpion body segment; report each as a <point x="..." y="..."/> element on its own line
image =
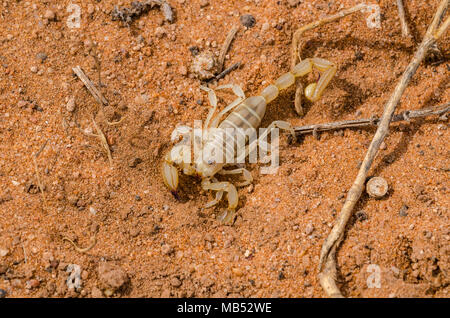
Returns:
<point x="244" y="113"/>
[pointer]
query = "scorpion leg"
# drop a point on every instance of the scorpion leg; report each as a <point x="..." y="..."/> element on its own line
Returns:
<point x="237" y="90"/>
<point x="232" y="196"/>
<point x="213" y="101"/>
<point x="248" y="179"/>
<point x="219" y="196"/>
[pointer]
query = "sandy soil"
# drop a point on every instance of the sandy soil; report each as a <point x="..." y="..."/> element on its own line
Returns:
<point x="148" y="244"/>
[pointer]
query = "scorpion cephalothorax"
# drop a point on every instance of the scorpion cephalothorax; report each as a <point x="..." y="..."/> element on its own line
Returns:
<point x="244" y="113"/>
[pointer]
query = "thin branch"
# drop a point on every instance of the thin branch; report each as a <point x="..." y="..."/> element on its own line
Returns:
<point x="90" y="86"/>
<point x="374" y="121"/>
<point x="298" y="34"/>
<point x="327" y="262"/>
<point x="225" y="72"/>
<point x="79" y="249"/>
<point x="226" y="47"/>
<point x="101" y="136"/>
<point x="402" y="16"/>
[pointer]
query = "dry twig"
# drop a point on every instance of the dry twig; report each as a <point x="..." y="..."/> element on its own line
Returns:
<point x="374" y="121"/>
<point x="402" y="16"/>
<point x="327" y="262"/>
<point x="100" y="135"/>
<point x="79" y="249"/>
<point x="226" y="47"/>
<point x="225" y="72"/>
<point x="90" y="86"/>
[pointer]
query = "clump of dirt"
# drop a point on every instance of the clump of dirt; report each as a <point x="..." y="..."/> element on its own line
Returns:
<point x="160" y="246"/>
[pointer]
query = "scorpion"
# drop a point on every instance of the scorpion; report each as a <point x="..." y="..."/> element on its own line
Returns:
<point x="245" y="113"/>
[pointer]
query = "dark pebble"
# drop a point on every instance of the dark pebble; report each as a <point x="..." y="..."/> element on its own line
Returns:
<point x="135" y="162"/>
<point x="403" y="210"/>
<point x="248" y="20"/>
<point x="361" y="215"/>
<point x="138" y="198"/>
<point x="41" y="56"/>
<point x="2" y="293"/>
<point x="194" y="50"/>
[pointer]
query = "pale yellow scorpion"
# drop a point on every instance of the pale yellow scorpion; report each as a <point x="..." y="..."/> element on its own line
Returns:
<point x="245" y="113"/>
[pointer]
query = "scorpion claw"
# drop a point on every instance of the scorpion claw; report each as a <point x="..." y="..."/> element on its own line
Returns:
<point x="170" y="176"/>
<point x="227" y="217"/>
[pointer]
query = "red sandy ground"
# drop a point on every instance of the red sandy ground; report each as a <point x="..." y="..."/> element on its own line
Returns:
<point x="176" y="248"/>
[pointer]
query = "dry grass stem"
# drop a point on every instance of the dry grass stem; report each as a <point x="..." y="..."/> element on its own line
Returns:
<point x="402" y="16"/>
<point x="374" y="121"/>
<point x="90" y="86"/>
<point x="79" y="249"/>
<point x="225" y="47"/>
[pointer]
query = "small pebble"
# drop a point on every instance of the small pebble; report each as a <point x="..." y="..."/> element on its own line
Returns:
<point x="71" y="105"/>
<point x="50" y="15"/>
<point x="265" y="27"/>
<point x="309" y="229"/>
<point x="237" y="271"/>
<point x="134" y="162"/>
<point x="34" y="69"/>
<point x="293" y="3"/>
<point x="96" y="293"/>
<point x="361" y="215"/>
<point x="175" y="282"/>
<point x="204" y="3"/>
<point x="377" y="187"/>
<point x="248" y="20"/>
<point x="204" y="65"/>
<point x="41" y="56"/>
<point x="2" y="293"/>
<point x="90" y="9"/>
<point x="3" y="252"/>
<point x="92" y="210"/>
<point x="32" y="283"/>
<point x="403" y="210"/>
<point x="160" y="32"/>
<point x="166" y="249"/>
<point x="194" y="50"/>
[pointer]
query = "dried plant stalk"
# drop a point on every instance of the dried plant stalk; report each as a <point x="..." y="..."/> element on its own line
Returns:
<point x="402" y="16"/>
<point x="367" y="122"/>
<point x="90" y="86"/>
<point x="226" y="47"/>
<point x="327" y="262"/>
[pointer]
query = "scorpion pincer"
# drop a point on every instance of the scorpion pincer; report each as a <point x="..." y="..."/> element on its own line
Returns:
<point x="245" y="113"/>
